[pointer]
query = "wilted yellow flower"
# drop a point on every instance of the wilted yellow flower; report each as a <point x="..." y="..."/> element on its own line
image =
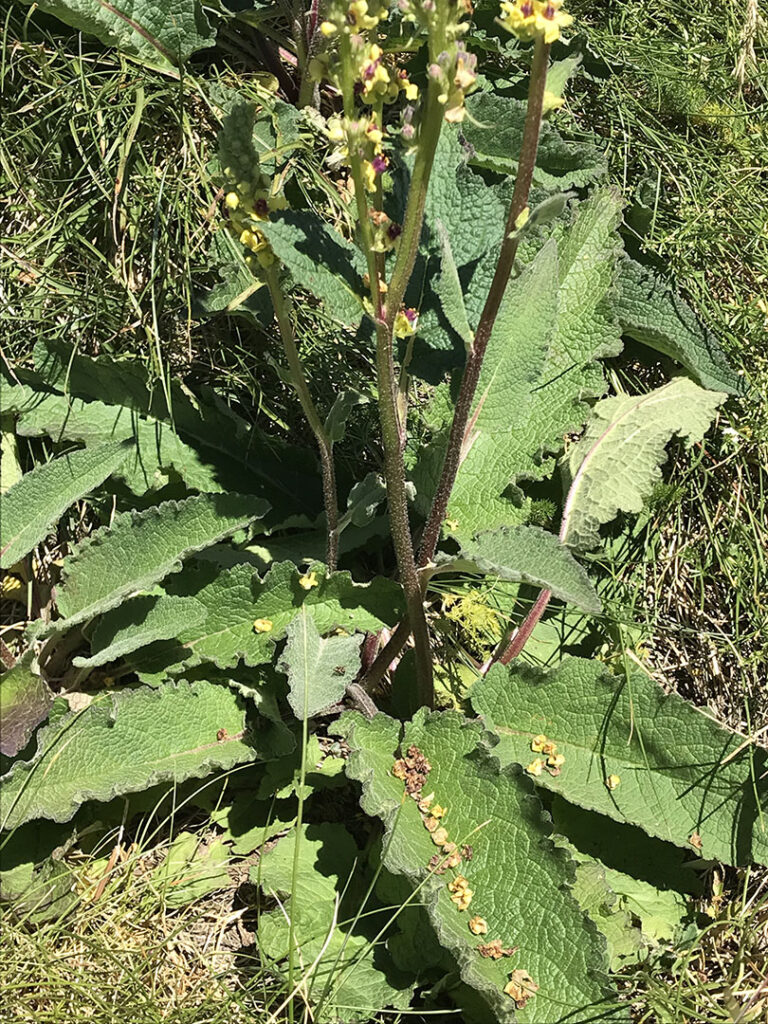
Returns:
<point x="521" y="987"/>
<point x="263" y="626"/>
<point x="440" y="836"/>
<point x="478" y="925"/>
<point x="536" y="767"/>
<point x="438" y="811"/>
<point x="309" y="580"/>
<point x="613" y="782"/>
<point x="556" y="760"/>
<point x="537" y="743"/>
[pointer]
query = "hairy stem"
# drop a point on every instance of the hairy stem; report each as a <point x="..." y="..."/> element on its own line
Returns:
<point x="324" y="444"/>
<point x="504" y="267"/>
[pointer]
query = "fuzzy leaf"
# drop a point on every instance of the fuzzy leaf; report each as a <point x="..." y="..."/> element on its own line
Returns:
<point x="158" y="33"/>
<point x="25" y="701"/>
<point x="615" y="465"/>
<point x="318" y="670"/>
<point x="364" y="498"/>
<point x="495" y="132"/>
<point x="538" y="370"/>
<point x="450" y="291"/>
<point x="125" y="742"/>
<point x="138" y="622"/>
<point x="336" y="421"/>
<point x="35" y="504"/>
<point x="603" y="906"/>
<point x="528" y="554"/>
<point x="680" y="774"/>
<point x="234" y="599"/>
<point x="651" y="312"/>
<point x="141" y="548"/>
<point x="320" y="260"/>
<point x="355" y="976"/>
<point x="520" y="883"/>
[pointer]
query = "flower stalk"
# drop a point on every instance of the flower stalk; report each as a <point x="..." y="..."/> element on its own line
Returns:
<point x="324" y="444"/>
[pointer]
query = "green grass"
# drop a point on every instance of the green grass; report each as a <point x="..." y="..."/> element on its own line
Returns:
<point x="108" y="226"/>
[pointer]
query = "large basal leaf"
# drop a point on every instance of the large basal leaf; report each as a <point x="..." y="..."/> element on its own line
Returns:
<point x="25" y="700"/>
<point x="320" y="260"/>
<point x="234" y="600"/>
<point x="222" y="454"/>
<point x="519" y="881"/>
<point x="125" y="742"/>
<point x="651" y="312"/>
<point x="527" y="554"/>
<point x="318" y="669"/>
<point x="615" y="465"/>
<point x="33" y="506"/>
<point x="635" y="754"/>
<point x="354" y="976"/>
<point x="139" y="549"/>
<point x="159" y="32"/>
<point x="495" y="131"/>
<point x="138" y="622"/>
<point x="540" y="366"/>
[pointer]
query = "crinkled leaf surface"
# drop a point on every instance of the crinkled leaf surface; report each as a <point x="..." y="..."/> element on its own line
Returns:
<point x="232" y="600"/>
<point x="139" y="549"/>
<point x="25" y="700"/>
<point x="680" y="773"/>
<point x="520" y="882"/>
<point x="354" y="977"/>
<point x="138" y="622"/>
<point x="249" y="823"/>
<point x="449" y="289"/>
<point x="159" y="32"/>
<point x="603" y="906"/>
<point x="282" y="776"/>
<point x="651" y="312"/>
<point x="33" y="506"/>
<point x="530" y="555"/>
<point x="495" y="131"/>
<point x="125" y="742"/>
<point x="540" y="366"/>
<point x="320" y="260"/>
<point x="318" y="669"/>
<point x="223" y="454"/>
<point x="615" y="465"/>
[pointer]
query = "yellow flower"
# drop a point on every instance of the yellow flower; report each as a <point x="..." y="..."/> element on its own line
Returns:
<point x="406" y="322"/>
<point x="537" y="743"/>
<point x="528" y="19"/>
<point x="556" y="760"/>
<point x="360" y="20"/>
<point x="440" y="836"/>
<point x="536" y="767"/>
<point x="263" y="626"/>
<point x="613" y="782"/>
<point x="309" y="580"/>
<point x="438" y="811"/>
<point x="328" y="29"/>
<point x="232" y="200"/>
<point x="478" y="925"/>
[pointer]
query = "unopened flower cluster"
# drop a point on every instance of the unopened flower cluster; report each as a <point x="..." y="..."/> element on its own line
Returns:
<point x="531" y="19"/>
<point x="250" y="203"/>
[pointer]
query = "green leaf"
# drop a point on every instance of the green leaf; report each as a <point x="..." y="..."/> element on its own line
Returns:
<point x="364" y="498"/>
<point x="191" y="869"/>
<point x="450" y="291"/>
<point x="354" y="976"/>
<point x="651" y="312"/>
<point x="139" y="549"/>
<point x="25" y="700"/>
<point x="318" y="670"/>
<point x="603" y="906"/>
<point x="540" y="366"/>
<point x="494" y="130"/>
<point x="682" y="777"/>
<point x="336" y="421"/>
<point x="320" y="260"/>
<point x="33" y="506"/>
<point x="248" y="824"/>
<point x="33" y="878"/>
<point x="615" y="465"/>
<point x="158" y="33"/>
<point x="234" y="599"/>
<point x="125" y="742"/>
<point x="520" y="883"/>
<point x="528" y="554"/>
<point x="282" y="776"/>
<point x="138" y="622"/>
